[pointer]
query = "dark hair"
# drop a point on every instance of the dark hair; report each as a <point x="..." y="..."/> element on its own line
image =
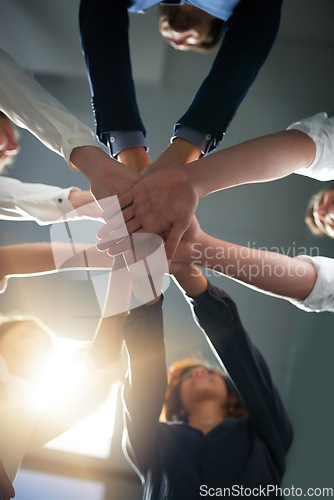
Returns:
<point x="213" y="38"/>
<point x="316" y="228"/>
<point x="172" y="408"/>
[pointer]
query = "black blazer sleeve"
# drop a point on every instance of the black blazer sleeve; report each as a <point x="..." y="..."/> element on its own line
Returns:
<point x="104" y="26"/>
<point x="217" y="315"/>
<point x="146" y="383"/>
<point x="247" y="38"/>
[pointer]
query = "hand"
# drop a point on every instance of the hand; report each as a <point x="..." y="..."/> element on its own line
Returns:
<point x="135" y="158"/>
<point x="84" y="204"/>
<point x="184" y="255"/>
<point x="147" y="264"/>
<point x="180" y="152"/>
<point x="107" y="177"/>
<point x="163" y="202"/>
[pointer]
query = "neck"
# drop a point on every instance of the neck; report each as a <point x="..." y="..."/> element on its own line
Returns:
<point x="206" y="416"/>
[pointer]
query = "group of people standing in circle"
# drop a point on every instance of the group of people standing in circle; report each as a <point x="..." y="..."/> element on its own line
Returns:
<point x="193" y="426"/>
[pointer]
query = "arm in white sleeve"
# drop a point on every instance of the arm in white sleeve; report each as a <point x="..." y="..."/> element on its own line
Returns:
<point x="30" y="106"/>
<point x="33" y="202"/>
<point x="321" y="297"/>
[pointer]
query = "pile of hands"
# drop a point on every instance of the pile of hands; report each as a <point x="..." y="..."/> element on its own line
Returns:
<point x="140" y="197"/>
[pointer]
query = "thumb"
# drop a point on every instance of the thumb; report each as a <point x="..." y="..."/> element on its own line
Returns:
<point x="173" y="240"/>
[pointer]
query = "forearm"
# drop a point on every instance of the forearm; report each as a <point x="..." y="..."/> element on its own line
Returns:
<point x="30" y="106"/>
<point x="38" y="258"/>
<point x="179" y="152"/>
<point x="108" y="340"/>
<point x="105" y="24"/>
<point x="107" y="345"/>
<point x="147" y="379"/>
<point x="107" y="177"/>
<point x="135" y="158"/>
<point x="269" y="272"/>
<point x="218" y="317"/>
<point x="258" y="160"/>
<point x="31" y="201"/>
<point x="236" y="65"/>
<point x="191" y="280"/>
<point x="27" y="258"/>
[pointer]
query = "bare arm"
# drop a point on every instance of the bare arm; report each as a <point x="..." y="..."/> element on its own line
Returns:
<point x="107" y="177"/>
<point x="259" y="160"/>
<point x="166" y="200"/>
<point x="38" y="258"/>
<point x="190" y="279"/>
<point x="135" y="158"/>
<point x="268" y="272"/>
<point x="179" y="152"/>
<point x="107" y="344"/>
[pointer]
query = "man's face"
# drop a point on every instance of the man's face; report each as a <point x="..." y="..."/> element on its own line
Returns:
<point x="184" y="26"/>
<point x="8" y="144"/>
<point x="323" y="213"/>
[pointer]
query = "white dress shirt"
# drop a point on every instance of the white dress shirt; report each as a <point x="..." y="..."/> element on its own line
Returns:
<point x="41" y="203"/>
<point x="321" y="130"/>
<point x="30" y="106"/>
<point x="24" y="427"/>
<point x="322" y="296"/>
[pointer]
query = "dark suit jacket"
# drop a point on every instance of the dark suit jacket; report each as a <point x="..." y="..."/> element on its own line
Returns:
<point x="175" y="459"/>
<point x="247" y="38"/>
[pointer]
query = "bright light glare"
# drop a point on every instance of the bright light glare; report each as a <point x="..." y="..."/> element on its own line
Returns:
<point x="91" y="436"/>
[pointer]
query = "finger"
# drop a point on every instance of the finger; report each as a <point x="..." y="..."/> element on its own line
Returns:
<point x="173" y="240"/>
<point x="121" y="247"/>
<point x="116" y="224"/>
<point x="128" y="213"/>
<point x="109" y="241"/>
<point x="115" y="235"/>
<point x="126" y="199"/>
<point x="137" y="246"/>
<point x="110" y="205"/>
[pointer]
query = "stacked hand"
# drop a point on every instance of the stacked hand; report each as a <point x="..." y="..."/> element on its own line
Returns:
<point x="162" y="203"/>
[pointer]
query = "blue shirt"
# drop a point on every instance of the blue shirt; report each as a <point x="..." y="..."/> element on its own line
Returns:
<point x="219" y="8"/>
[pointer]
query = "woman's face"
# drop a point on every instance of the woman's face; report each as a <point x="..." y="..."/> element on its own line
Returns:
<point x="199" y="383"/>
<point x="324" y="213"/>
<point x="26" y="349"/>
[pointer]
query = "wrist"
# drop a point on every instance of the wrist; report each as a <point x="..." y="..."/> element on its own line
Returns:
<point x="184" y="150"/>
<point x="135" y="157"/>
<point x="192" y="280"/>
<point x="89" y="160"/>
